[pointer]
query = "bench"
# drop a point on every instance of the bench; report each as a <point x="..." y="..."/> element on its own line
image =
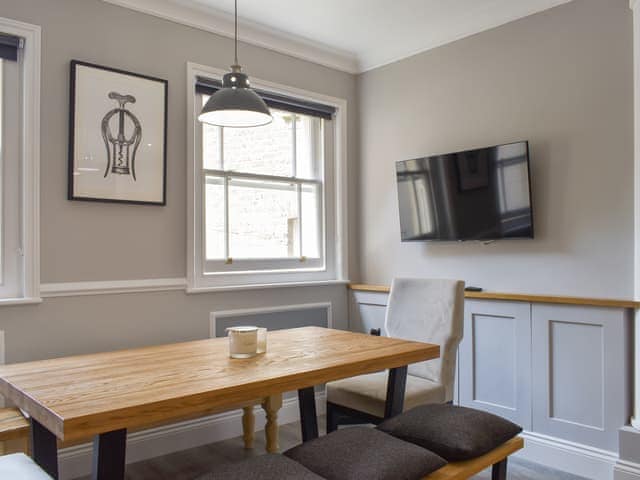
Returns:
<point x="278" y="467"/>
<point x="496" y="458"/>
<point x="429" y="442"/>
<point x="14" y="431"/>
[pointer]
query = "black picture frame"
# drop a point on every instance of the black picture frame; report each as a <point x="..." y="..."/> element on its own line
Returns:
<point x="73" y="91"/>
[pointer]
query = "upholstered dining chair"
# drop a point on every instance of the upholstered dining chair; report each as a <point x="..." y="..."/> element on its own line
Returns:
<point x="426" y="310"/>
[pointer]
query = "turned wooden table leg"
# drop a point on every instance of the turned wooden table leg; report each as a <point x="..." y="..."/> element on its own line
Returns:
<point x="248" y="426"/>
<point x="271" y="405"/>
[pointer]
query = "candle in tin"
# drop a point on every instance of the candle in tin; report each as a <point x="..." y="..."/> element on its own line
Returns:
<point x="243" y="341"/>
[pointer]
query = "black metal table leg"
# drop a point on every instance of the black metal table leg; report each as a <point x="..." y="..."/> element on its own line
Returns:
<point x="109" y="455"/>
<point x="308" y="416"/>
<point x="395" y="392"/>
<point x="44" y="447"/>
<point x="499" y="470"/>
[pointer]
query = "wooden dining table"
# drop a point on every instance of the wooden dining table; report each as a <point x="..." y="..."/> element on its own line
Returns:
<point x="103" y="395"/>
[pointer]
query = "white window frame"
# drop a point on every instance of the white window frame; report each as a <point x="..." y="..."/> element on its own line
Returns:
<point x="299" y="263"/>
<point x="335" y="266"/>
<point x="29" y="161"/>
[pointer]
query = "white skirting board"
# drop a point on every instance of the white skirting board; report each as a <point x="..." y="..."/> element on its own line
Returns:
<point x="76" y="461"/>
<point x="626" y="471"/>
<point x="574" y="458"/>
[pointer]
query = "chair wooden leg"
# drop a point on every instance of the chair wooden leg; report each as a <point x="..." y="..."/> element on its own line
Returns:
<point x="271" y="405"/>
<point x="499" y="470"/>
<point x="248" y="426"/>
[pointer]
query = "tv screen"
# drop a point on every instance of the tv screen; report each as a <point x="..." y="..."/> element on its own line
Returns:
<point x="481" y="194"/>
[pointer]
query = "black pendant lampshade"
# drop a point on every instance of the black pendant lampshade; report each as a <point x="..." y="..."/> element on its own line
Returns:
<point x="235" y="104"/>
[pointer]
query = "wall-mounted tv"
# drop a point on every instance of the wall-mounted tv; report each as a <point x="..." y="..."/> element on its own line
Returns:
<point x="481" y="194"/>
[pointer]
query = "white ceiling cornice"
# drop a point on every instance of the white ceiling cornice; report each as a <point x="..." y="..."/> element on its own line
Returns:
<point x="380" y="35"/>
<point x="222" y="24"/>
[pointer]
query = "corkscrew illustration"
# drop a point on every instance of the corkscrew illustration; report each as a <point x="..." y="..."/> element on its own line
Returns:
<point x="123" y="145"/>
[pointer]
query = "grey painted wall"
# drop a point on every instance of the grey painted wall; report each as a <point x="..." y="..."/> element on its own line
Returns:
<point x="77" y="237"/>
<point x="303" y="317"/>
<point x="561" y="79"/>
<point x="75" y="325"/>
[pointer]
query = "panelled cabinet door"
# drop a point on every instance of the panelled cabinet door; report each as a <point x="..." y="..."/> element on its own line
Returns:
<point x="367" y="311"/>
<point x="580" y="390"/>
<point x="495" y="356"/>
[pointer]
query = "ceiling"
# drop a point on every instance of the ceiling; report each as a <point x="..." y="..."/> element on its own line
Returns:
<point x="352" y="35"/>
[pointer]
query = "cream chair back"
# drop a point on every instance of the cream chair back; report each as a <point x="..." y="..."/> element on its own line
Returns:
<point x="431" y="311"/>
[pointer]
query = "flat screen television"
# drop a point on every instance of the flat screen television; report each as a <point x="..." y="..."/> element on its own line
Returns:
<point x="481" y="194"/>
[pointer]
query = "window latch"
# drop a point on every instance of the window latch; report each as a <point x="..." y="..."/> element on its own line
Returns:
<point x="303" y="258"/>
<point x="228" y="261"/>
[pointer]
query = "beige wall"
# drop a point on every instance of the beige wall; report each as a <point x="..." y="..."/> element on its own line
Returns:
<point x="561" y="79"/>
<point x="77" y="237"/>
<point x="85" y="324"/>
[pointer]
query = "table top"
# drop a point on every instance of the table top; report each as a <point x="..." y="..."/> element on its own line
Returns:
<point x="76" y="397"/>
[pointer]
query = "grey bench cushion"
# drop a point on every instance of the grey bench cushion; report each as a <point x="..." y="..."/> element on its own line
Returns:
<point x="455" y="433"/>
<point x="359" y="453"/>
<point x="264" y="467"/>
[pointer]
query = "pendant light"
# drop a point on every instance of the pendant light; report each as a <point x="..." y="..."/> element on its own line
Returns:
<point x="235" y="104"/>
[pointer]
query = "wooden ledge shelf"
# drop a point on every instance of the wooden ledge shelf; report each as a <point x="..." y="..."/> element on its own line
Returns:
<point x="521" y="297"/>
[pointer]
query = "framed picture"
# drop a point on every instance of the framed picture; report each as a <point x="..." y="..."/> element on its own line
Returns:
<point x="117" y="136"/>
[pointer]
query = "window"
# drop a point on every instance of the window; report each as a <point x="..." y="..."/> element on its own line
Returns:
<point x="263" y="194"/>
<point x="264" y="197"/>
<point x="19" y="94"/>
<point x="9" y="187"/>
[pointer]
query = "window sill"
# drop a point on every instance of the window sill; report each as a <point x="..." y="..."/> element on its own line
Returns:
<point x="262" y="286"/>
<point x="20" y="301"/>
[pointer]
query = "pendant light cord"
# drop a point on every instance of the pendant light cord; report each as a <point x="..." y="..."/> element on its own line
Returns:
<point x="236" y="35"/>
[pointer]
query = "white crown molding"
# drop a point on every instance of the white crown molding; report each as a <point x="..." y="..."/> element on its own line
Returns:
<point x="221" y="23"/>
<point x="186" y="12"/>
<point x="72" y="289"/>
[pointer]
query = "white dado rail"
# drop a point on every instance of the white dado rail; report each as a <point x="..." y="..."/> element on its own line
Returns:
<point x="559" y="366"/>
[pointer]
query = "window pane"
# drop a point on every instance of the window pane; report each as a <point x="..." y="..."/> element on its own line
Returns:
<point x="263" y="219"/>
<point x="210" y="144"/>
<point x="266" y="150"/>
<point x="214" y="218"/>
<point x="311" y="221"/>
<point x="307" y="131"/>
<point x="11" y="184"/>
